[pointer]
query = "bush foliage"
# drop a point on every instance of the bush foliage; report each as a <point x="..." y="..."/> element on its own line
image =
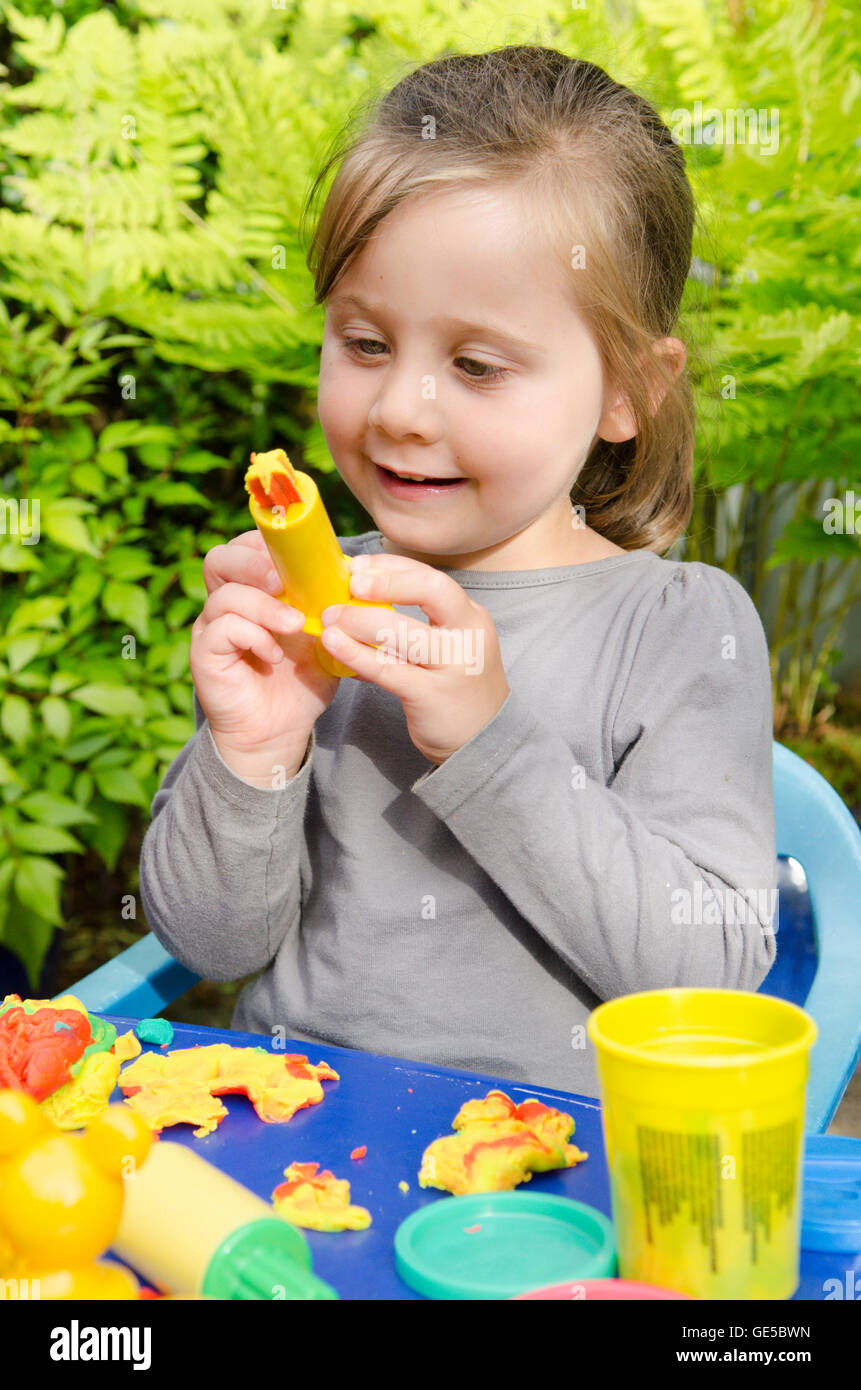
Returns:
<point x="160" y="324"/>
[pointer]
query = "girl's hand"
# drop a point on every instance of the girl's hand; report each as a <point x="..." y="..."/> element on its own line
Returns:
<point x="447" y="673"/>
<point x="254" y="670"/>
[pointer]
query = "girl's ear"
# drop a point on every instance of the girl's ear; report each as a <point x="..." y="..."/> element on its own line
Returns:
<point x="618" y="422"/>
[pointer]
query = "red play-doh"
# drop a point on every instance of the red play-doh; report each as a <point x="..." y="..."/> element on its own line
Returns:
<point x="37" y="1050"/>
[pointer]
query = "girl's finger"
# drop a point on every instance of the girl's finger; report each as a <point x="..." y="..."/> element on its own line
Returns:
<point x="379" y="626"/>
<point x="231" y="634"/>
<point x="245" y="564"/>
<point x="370" y="664"/>
<point x="415" y="585"/>
<point x="253" y="604"/>
<point x="398" y="637"/>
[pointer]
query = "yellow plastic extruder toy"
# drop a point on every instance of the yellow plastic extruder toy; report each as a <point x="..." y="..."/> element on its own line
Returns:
<point x="288" y="511"/>
<point x="61" y="1198"/>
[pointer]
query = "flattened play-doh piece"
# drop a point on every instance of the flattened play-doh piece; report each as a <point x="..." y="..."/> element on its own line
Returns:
<point x="182" y="1087"/>
<point x="319" y="1201"/>
<point x="499" y="1144"/>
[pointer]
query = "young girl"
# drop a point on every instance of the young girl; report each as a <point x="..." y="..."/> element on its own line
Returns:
<point x="549" y="782"/>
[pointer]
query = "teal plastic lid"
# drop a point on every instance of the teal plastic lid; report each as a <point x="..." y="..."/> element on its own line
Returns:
<point x="498" y="1244"/>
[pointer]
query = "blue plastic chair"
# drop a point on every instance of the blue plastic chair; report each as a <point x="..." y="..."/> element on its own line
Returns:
<point x="813" y="827"/>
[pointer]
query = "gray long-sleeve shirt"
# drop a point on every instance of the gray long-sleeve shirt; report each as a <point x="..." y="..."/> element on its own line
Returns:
<point x="611" y="829"/>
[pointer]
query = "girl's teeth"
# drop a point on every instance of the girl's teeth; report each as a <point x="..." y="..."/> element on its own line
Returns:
<point x="408" y="477"/>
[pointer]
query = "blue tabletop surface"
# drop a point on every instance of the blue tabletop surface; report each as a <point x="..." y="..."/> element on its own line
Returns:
<point x="396" y="1108"/>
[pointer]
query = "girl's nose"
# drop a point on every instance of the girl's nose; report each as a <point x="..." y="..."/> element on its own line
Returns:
<point x="406" y="404"/>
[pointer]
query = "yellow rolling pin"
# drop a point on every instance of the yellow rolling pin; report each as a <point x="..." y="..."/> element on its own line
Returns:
<point x="288" y="511"/>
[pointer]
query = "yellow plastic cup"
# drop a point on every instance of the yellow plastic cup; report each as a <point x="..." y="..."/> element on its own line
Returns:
<point x="702" y="1095"/>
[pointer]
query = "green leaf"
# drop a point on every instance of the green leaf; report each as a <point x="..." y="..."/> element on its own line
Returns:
<point x="201" y="461"/>
<point x="44" y="839"/>
<point x="124" y="433"/>
<point x="83" y="750"/>
<point x="77" y="442"/>
<point x="174" y="729"/>
<point x="112" y="757"/>
<point x="8" y="775"/>
<point x="16" y="720"/>
<point x="114" y="463"/>
<point x="28" y="934"/>
<point x="118" y="784"/>
<point x="128" y="604"/>
<point x="61" y="520"/>
<point x="16" y="558"/>
<point x="116" y="700"/>
<point x="21" y="650"/>
<point x="83" y="788"/>
<point x="56" y="716"/>
<point x="168" y="494"/>
<point x="37" y="885"/>
<point x="108" y="837"/>
<point x="61" y="681"/>
<point x="85" y="588"/>
<point x="806" y="540"/>
<point x="32" y="680"/>
<point x="51" y="809"/>
<point x="7" y="871"/>
<point x="37" y="612"/>
<point x="126" y="564"/>
<point x="191" y="579"/>
<point x="88" y="479"/>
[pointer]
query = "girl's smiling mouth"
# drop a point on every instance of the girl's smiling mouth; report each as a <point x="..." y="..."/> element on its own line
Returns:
<point x="406" y="487"/>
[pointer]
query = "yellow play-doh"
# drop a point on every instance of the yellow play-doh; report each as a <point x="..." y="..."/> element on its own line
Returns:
<point x="498" y="1145"/>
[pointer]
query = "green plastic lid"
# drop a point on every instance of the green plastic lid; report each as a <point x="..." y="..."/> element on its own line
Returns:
<point x="265" y="1259"/>
<point x="498" y="1244"/>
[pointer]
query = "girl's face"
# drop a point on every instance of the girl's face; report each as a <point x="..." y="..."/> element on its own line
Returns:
<point x="469" y="364"/>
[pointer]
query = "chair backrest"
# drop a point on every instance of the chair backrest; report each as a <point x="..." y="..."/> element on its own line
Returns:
<point x="815" y="827"/>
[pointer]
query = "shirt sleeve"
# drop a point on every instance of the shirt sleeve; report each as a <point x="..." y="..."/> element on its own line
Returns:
<point x="221" y="862"/>
<point x="667" y="875"/>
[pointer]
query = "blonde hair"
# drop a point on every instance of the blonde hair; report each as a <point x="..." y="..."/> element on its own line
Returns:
<point x="596" y="168"/>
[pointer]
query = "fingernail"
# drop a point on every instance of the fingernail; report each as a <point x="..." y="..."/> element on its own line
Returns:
<point x="273" y="584"/>
<point x="332" y="613"/>
<point x="361" y="562"/>
<point x="362" y="584"/>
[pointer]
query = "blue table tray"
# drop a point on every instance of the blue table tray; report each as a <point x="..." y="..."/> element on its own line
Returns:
<point x="396" y="1107"/>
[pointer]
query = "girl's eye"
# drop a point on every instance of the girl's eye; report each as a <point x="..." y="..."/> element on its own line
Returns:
<point x="488" y="373"/>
